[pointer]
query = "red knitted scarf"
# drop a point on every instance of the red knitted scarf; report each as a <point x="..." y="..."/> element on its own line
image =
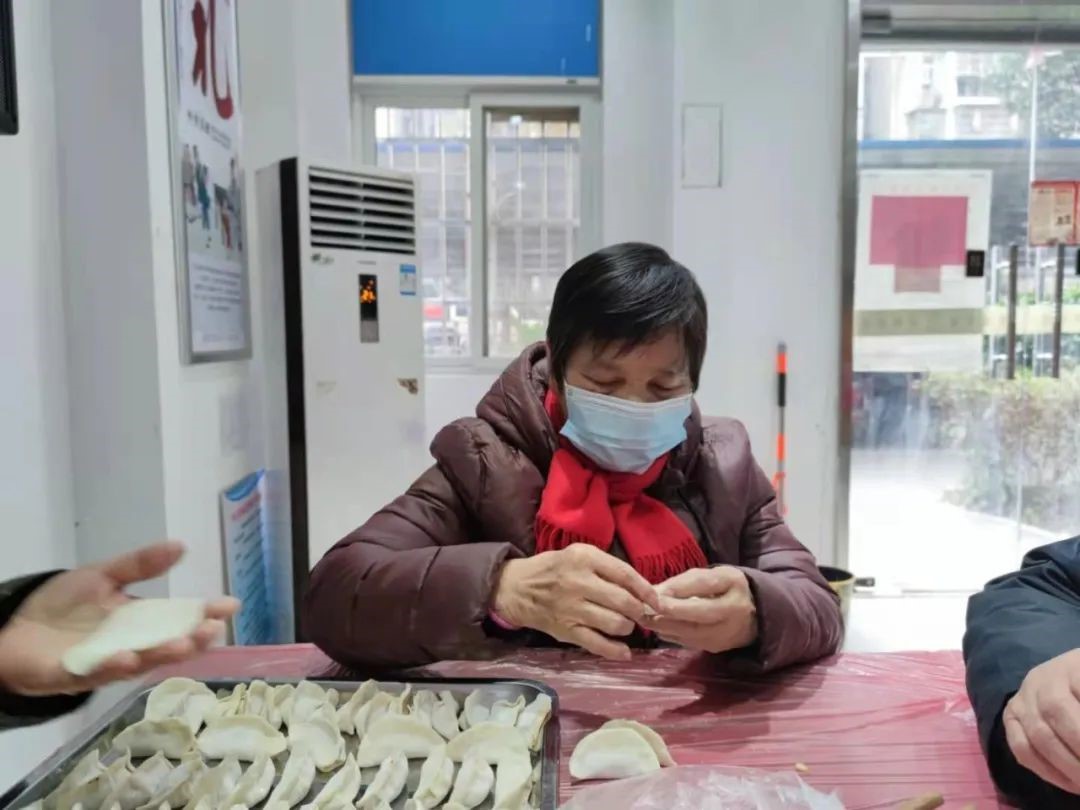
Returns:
<point x="584" y="504"/>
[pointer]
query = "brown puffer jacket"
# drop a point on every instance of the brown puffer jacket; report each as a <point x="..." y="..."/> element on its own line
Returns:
<point x="413" y="584"/>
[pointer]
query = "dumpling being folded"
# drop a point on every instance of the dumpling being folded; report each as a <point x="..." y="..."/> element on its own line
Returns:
<point x="436" y="779"/>
<point x="490" y="741"/>
<point x="404" y="733"/>
<point x="171" y="736"/>
<point x="183" y="699"/>
<point x="341" y="790"/>
<point x="388" y="783"/>
<point x="655" y="741"/>
<point x="295" y="782"/>
<point x="137" y="625"/>
<point x="246" y="738"/>
<point x="474" y="781"/>
<point x="612" y="753"/>
<point x="255" y="784"/>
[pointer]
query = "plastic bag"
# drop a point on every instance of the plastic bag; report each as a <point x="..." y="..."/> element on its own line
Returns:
<point x="704" y="787"/>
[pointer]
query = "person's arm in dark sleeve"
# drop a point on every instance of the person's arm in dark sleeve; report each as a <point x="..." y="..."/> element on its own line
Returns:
<point x="17" y="710"/>
<point x="1019" y="621"/>
<point x="409" y="586"/>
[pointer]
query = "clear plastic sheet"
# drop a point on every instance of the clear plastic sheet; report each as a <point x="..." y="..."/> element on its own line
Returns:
<point x="704" y="787"/>
<point x="875" y="729"/>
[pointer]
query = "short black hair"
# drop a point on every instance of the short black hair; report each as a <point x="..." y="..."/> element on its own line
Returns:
<point x="631" y="294"/>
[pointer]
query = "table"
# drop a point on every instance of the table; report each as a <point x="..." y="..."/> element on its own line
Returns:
<point x="875" y="728"/>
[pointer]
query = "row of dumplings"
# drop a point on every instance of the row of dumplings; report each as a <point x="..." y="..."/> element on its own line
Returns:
<point x="185" y="721"/>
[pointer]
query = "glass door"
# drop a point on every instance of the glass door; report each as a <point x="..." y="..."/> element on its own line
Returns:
<point x="965" y="405"/>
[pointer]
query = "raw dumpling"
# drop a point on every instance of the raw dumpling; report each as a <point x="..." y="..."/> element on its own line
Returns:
<point x="377" y="707"/>
<point x="295" y="782"/>
<point x="341" y="790"/>
<point x="259" y="702"/>
<point x="143" y="783"/>
<point x="255" y="784"/>
<point x="423" y="705"/>
<point x="394" y="732"/>
<point x="305" y="700"/>
<point x="505" y="712"/>
<point x="246" y="738"/>
<point x="136" y="625"/>
<point x="214" y="786"/>
<point x="388" y="783"/>
<point x="171" y="736"/>
<point x="477" y="709"/>
<point x="444" y="718"/>
<point x="655" y="741"/>
<point x="232" y="705"/>
<point x="175" y="789"/>
<point x="346" y="714"/>
<point x="320" y="736"/>
<point x="513" y="782"/>
<point x="85" y="770"/>
<point x="612" y="753"/>
<point x="436" y="779"/>
<point x="94" y="792"/>
<point x="491" y="741"/>
<point x="181" y="698"/>
<point x="474" y="781"/>
<point x="532" y="720"/>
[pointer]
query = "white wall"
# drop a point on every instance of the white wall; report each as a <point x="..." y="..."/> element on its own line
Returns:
<point x="766" y="246"/>
<point x="35" y="498"/>
<point x="638" y="38"/>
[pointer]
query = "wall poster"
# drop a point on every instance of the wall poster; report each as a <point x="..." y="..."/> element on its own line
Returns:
<point x="208" y="199"/>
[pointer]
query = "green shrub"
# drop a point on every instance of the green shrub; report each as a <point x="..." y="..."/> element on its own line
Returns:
<point x="1020" y="439"/>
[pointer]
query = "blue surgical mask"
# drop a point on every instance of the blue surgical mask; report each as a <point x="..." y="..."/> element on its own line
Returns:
<point x="620" y="435"/>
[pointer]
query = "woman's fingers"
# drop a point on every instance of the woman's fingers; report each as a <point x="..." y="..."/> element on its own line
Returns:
<point x="597" y="644"/>
<point x="619" y="573"/>
<point x="606" y="621"/>
<point x="207" y="633"/>
<point x="223" y="608"/>
<point x="703" y="582"/>
<point x="146" y="563"/>
<point x="615" y="598"/>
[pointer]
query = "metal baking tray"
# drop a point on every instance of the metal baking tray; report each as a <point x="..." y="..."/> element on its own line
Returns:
<point x="43" y="780"/>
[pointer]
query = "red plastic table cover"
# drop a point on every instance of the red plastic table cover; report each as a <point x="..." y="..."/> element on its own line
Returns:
<point x="875" y="728"/>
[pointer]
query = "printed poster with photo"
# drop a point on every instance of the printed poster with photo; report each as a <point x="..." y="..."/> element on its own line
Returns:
<point x="208" y="184"/>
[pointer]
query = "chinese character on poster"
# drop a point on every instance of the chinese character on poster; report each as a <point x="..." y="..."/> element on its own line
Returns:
<point x="211" y="196"/>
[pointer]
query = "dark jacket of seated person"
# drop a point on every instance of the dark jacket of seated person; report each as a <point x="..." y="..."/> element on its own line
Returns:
<point x="1022" y="650"/>
<point x="585" y="504"/>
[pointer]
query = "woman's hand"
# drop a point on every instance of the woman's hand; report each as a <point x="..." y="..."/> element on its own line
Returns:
<point x="70" y="606"/>
<point x="709" y="609"/>
<point x="579" y="595"/>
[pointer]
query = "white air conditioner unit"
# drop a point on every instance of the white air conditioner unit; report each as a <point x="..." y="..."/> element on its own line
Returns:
<point x="345" y="354"/>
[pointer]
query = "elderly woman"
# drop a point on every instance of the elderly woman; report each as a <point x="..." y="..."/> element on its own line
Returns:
<point x="588" y="502"/>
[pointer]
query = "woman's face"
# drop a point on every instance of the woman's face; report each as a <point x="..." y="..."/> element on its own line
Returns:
<point x="652" y="372"/>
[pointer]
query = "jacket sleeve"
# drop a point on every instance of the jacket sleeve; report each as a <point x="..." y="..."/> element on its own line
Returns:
<point x="15" y="710"/>
<point x="408" y="587"/>
<point x="1019" y="621"/>
<point x="799" y="616"/>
